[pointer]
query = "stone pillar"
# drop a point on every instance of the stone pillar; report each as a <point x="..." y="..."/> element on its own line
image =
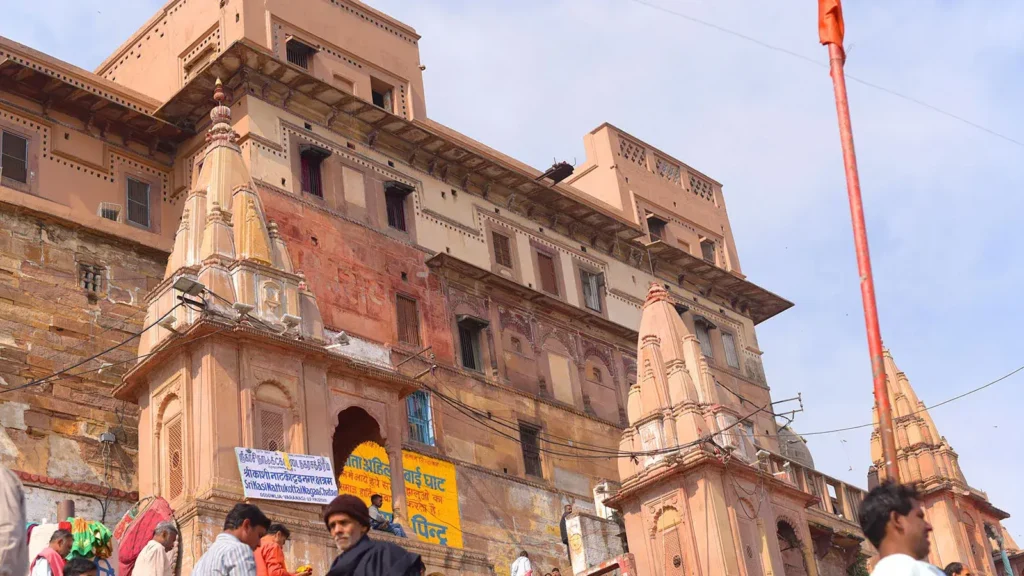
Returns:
<point x="399" y="502"/>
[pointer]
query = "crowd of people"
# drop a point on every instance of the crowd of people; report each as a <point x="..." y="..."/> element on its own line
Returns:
<point x="891" y="517"/>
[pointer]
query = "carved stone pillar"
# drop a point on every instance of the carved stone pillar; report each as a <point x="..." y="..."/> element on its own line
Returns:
<point x="398" y="498"/>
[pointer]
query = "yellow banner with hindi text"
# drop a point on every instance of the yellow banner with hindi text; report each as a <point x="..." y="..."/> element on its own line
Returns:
<point x="430" y="488"/>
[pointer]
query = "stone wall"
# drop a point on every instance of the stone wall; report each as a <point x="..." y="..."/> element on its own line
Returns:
<point x="49" y="322"/>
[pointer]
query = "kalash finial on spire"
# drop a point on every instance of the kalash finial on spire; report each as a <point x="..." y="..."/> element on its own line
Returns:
<point x="221" y="118"/>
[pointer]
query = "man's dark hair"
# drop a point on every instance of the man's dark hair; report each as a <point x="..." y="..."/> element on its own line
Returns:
<point x="553" y="570"/>
<point x="953" y="568"/>
<point x="375" y="496"/>
<point x="60" y="535"/>
<point x="242" y="512"/>
<point x="524" y="554"/>
<point x="880" y="503"/>
<point x="279" y="529"/>
<point x="78" y="566"/>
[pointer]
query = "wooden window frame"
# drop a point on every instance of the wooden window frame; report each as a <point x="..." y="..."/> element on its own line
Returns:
<point x="302" y="51"/>
<point x="399" y="297"/>
<point x="531" y="454"/>
<point x="726" y="335"/>
<point x="312" y="162"/>
<point x="6" y="179"/>
<point x="426" y="424"/>
<point x="399" y="194"/>
<point x="128" y="202"/>
<point x="260" y="407"/>
<point x="541" y="250"/>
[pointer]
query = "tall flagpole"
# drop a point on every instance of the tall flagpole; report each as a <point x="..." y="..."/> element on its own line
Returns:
<point x="830" y="29"/>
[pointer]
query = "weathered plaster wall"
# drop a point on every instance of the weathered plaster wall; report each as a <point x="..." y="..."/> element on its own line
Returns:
<point x="49" y="323"/>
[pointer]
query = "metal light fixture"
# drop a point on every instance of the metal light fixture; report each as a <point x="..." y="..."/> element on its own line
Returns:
<point x="188" y="286"/>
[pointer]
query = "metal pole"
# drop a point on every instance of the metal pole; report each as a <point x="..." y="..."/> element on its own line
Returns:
<point x="867" y="284"/>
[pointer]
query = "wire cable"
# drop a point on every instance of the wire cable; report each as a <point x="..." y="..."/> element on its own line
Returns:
<point x="44" y="379"/>
<point x="799" y="56"/>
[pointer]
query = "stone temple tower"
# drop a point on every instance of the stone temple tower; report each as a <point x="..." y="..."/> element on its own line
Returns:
<point x="696" y="498"/>
<point x="966" y="525"/>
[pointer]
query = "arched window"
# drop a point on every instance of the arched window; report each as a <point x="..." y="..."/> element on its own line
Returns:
<point x="172" y="442"/>
<point x="272" y="418"/>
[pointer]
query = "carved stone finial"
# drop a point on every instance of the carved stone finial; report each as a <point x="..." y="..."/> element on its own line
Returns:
<point x="657" y="293"/>
<point x="272" y="229"/>
<point x="218" y="91"/>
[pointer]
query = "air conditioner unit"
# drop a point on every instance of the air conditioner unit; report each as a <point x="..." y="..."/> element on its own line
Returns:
<point x="110" y="211"/>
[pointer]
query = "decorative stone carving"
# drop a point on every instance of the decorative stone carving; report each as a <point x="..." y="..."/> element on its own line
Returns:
<point x="518" y="322"/>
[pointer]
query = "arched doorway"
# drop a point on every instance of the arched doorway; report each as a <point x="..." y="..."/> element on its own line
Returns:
<point x="794" y="563"/>
<point x="354" y="427"/>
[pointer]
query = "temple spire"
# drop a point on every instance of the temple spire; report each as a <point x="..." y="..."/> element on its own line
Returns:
<point x="225" y="241"/>
<point x="923" y="455"/>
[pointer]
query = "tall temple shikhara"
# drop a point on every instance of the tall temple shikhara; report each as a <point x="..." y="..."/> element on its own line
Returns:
<point x="479" y="341"/>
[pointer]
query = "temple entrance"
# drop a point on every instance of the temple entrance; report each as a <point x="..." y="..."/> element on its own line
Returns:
<point x="794" y="563"/>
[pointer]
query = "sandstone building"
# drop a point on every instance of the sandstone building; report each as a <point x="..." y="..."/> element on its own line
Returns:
<point x="380" y="277"/>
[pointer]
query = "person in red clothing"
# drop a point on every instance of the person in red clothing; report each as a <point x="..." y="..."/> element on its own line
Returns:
<point x="270" y="554"/>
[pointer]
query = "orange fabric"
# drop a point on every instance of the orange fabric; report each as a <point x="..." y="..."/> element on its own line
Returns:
<point x="270" y="558"/>
<point x="830" y="22"/>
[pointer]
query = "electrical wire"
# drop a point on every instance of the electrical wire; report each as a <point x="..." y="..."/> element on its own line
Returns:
<point x="799" y="56"/>
<point x="45" y="379"/>
<point x="925" y="409"/>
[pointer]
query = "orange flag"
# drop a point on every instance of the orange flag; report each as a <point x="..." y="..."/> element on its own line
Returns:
<point x="830" y="22"/>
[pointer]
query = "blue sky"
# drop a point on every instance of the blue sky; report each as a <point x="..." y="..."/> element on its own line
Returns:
<point x="943" y="199"/>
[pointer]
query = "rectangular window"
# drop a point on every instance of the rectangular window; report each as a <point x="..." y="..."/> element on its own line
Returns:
<point x="394" y="202"/>
<point x="469" y="343"/>
<point x="704" y="337"/>
<point x="299" y="53"/>
<point x="312" y="179"/>
<point x="656" y="227"/>
<point x="502" y="249"/>
<point x="408" y="321"/>
<point x="548" y="277"/>
<point x="729" y="343"/>
<point x="13" y="157"/>
<point x="529" y="439"/>
<point x="421" y="422"/>
<point x="592" y="284"/>
<point x="707" y="250"/>
<point x="138" y="202"/>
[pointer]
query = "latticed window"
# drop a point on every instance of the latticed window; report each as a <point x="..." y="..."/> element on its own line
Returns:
<point x="502" y="249"/>
<point x="138" y="202"/>
<point x="175" y="460"/>
<point x="271" y="429"/>
<point x="421" y="421"/>
<point x="90" y="277"/>
<point x="529" y="440"/>
<point x="469" y="343"/>
<point x="394" y="203"/>
<point x="702" y="188"/>
<point x="667" y="170"/>
<point x="633" y="152"/>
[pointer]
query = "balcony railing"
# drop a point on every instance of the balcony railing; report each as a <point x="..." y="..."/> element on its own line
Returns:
<point x="835" y="497"/>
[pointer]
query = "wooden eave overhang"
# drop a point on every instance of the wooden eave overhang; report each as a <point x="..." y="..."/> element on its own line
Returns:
<point x="207" y="327"/>
<point x="59" y="87"/>
<point x="246" y="68"/>
<point x="452" y="267"/>
<point x="744" y="296"/>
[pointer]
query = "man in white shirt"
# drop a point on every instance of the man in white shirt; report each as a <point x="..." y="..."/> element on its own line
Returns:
<point x="50" y="561"/>
<point x="522" y="566"/>
<point x="158" y="556"/>
<point x="893" y="520"/>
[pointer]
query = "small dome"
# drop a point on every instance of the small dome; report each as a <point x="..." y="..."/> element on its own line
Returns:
<point x="792" y="446"/>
